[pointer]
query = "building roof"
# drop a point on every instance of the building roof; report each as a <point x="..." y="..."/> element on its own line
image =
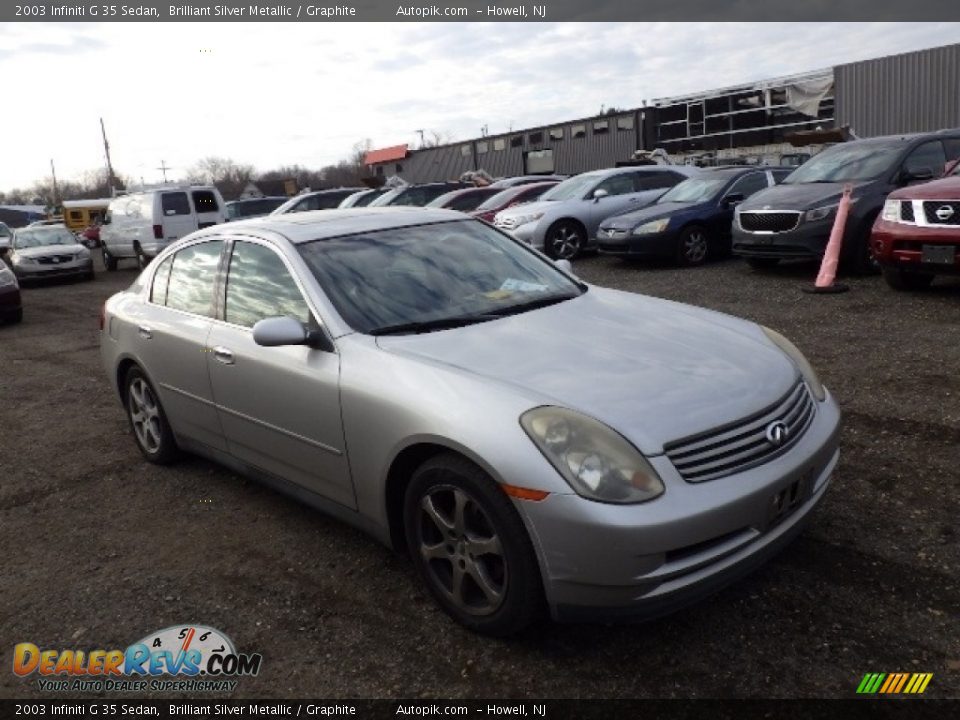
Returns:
<point x="387" y="154"/>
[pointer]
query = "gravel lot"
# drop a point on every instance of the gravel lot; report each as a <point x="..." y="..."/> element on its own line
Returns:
<point x="99" y="548"/>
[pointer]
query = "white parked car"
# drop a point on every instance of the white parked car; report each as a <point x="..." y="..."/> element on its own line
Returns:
<point x="139" y="225"/>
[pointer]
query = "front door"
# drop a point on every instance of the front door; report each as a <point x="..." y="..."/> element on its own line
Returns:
<point x="279" y="406"/>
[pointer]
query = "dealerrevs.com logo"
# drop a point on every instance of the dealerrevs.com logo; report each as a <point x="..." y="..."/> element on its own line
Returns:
<point x="184" y="658"/>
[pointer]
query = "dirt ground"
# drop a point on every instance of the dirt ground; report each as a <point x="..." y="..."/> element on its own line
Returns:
<point x="99" y="548"/>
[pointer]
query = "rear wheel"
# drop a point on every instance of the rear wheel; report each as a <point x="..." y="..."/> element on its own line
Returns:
<point x="148" y="421"/>
<point x="564" y="240"/>
<point x="109" y="261"/>
<point x="470" y="547"/>
<point x="693" y="246"/>
<point x="142" y="259"/>
<point x="900" y="279"/>
<point x="763" y="263"/>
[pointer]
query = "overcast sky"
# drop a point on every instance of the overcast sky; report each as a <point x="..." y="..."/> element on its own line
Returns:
<point x="277" y="94"/>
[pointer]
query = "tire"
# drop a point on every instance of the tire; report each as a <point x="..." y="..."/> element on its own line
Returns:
<point x="565" y="239"/>
<point x="763" y="263"/>
<point x="693" y="246"/>
<point x="109" y="261"/>
<point x="904" y="280"/>
<point x="470" y="547"/>
<point x="861" y="258"/>
<point x="151" y="431"/>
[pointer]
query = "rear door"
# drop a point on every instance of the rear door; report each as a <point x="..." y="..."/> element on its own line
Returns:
<point x="176" y="215"/>
<point x="208" y="206"/>
<point x="279" y="406"/>
<point x="171" y="339"/>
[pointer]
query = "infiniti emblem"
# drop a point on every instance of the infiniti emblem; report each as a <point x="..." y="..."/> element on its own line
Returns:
<point x="944" y="212"/>
<point x="777" y="433"/>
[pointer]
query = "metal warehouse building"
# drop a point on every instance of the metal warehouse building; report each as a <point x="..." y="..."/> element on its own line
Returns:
<point x="912" y="92"/>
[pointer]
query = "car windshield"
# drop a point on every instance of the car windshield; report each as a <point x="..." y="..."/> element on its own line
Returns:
<point x="386" y="198"/>
<point x="842" y="163"/>
<point x="43" y="236"/>
<point x="500" y="199"/>
<point x="695" y="190"/>
<point x="431" y="277"/>
<point x="576" y="186"/>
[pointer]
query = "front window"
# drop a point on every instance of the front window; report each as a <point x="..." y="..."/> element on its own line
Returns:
<point x="842" y="163"/>
<point x="694" y="190"/>
<point x="259" y="286"/>
<point x="43" y="236"/>
<point x="416" y="278"/>
<point x="575" y="187"/>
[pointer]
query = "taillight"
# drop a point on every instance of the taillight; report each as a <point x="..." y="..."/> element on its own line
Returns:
<point x="158" y="232"/>
<point x="103" y="316"/>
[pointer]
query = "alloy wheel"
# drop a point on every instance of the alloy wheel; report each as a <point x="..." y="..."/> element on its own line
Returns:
<point x="145" y="415"/>
<point x="564" y="242"/>
<point x="695" y="247"/>
<point x="462" y="553"/>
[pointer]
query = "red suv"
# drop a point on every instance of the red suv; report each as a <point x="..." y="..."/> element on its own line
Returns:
<point x="917" y="235"/>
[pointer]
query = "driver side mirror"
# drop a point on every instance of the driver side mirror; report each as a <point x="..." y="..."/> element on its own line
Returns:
<point x="915" y="174"/>
<point x="733" y="199"/>
<point x="599" y="193"/>
<point x="282" y="331"/>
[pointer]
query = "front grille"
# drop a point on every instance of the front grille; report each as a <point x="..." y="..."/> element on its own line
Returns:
<point x="742" y="445"/>
<point x="949" y="210"/>
<point x="773" y="222"/>
<point x="55" y="259"/>
<point x="906" y="211"/>
<point x="613" y="234"/>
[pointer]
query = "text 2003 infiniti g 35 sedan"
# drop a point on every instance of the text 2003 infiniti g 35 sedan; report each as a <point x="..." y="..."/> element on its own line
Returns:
<point x="526" y="437"/>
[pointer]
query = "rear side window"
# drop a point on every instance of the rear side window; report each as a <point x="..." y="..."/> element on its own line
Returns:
<point x="192" y="278"/>
<point x="749" y="184"/>
<point x="158" y="291"/>
<point x="174" y="204"/>
<point x="328" y="202"/>
<point x="259" y="286"/>
<point x="205" y="201"/>
<point x="928" y="156"/>
<point x="656" y="180"/>
<point x="617" y="184"/>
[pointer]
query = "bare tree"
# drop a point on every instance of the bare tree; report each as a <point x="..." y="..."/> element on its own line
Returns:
<point x="229" y="176"/>
<point x="433" y="138"/>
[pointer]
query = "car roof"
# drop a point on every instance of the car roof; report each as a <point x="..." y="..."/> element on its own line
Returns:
<point x="321" y="224"/>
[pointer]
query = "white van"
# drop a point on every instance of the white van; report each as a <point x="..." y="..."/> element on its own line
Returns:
<point x="141" y="224"/>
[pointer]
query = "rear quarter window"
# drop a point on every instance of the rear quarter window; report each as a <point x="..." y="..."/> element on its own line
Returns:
<point x="174" y="204"/>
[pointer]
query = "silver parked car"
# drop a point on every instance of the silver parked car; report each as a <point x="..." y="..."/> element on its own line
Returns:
<point x="47" y="251"/>
<point x="564" y="221"/>
<point x="420" y="375"/>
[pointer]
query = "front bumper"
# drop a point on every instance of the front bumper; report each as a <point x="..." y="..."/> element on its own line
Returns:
<point x="36" y="271"/>
<point x="900" y="245"/>
<point x="523" y="233"/>
<point x="663" y="244"/>
<point x="641" y="561"/>
<point x="808" y="240"/>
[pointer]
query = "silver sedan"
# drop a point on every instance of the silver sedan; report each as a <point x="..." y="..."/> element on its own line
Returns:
<point x="530" y="440"/>
<point x="47" y="251"/>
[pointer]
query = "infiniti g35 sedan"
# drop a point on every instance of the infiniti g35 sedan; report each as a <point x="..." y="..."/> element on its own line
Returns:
<point x="422" y="375"/>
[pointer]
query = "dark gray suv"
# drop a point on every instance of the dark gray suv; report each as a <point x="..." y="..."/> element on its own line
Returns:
<point x="794" y="219"/>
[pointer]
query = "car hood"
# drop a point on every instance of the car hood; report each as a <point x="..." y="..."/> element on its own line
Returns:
<point x="801" y="196"/>
<point x="654" y="370"/>
<point x="45" y="250"/>
<point x="943" y="189"/>
<point x="630" y="220"/>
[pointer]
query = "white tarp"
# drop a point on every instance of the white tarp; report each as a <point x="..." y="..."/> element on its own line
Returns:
<point x="805" y="96"/>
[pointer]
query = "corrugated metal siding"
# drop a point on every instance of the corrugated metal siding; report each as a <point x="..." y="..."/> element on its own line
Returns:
<point x="433" y="164"/>
<point x="913" y="92"/>
<point x="593" y="151"/>
<point x="501" y="163"/>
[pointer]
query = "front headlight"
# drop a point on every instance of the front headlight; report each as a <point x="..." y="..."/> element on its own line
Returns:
<point x="595" y="460"/>
<point x="891" y="211"/>
<point x="652" y="227"/>
<point x="524" y="219"/>
<point x="19" y="259"/>
<point x="805" y="368"/>
<point x="820" y="213"/>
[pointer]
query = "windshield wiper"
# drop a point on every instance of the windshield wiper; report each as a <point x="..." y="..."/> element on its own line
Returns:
<point x="532" y="305"/>
<point x="423" y="326"/>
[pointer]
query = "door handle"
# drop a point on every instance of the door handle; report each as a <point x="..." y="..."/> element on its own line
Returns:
<point x="223" y="355"/>
<point x="145" y="332"/>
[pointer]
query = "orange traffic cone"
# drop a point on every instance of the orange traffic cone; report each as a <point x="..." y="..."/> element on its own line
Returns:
<point x="831" y="256"/>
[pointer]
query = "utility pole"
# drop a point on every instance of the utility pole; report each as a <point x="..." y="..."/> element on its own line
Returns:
<point x="111" y="178"/>
<point x="163" y="168"/>
<point x="56" y="191"/>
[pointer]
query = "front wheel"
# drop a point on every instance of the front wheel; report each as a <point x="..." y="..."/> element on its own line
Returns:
<point x="109" y="261"/>
<point x="470" y="547"/>
<point x="148" y="420"/>
<point x="905" y="280"/>
<point x="142" y="259"/>
<point x="693" y="246"/>
<point x="564" y="240"/>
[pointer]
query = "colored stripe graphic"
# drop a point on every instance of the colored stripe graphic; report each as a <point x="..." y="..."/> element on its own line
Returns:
<point x="894" y="683"/>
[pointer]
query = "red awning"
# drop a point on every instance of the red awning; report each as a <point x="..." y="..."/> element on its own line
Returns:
<point x="396" y="152"/>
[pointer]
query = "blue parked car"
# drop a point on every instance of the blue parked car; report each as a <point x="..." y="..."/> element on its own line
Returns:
<point x="691" y="221"/>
